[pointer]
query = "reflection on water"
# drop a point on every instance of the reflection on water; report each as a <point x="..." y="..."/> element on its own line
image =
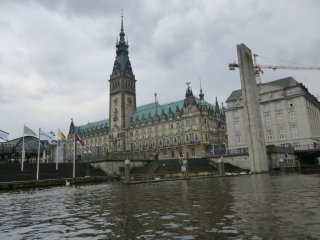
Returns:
<point x="246" y="207"/>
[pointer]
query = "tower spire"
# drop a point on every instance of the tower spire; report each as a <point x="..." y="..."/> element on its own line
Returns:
<point x="201" y="95"/>
<point x="217" y="108"/>
<point x="122" y="57"/>
<point x="121" y="29"/>
<point x="121" y="20"/>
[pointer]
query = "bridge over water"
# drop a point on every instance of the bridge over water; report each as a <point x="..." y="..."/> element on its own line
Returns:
<point x="308" y="154"/>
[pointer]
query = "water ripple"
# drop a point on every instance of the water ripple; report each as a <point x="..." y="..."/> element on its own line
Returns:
<point x="247" y="207"/>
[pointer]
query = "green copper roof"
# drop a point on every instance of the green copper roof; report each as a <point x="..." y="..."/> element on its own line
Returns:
<point x="283" y="82"/>
<point x="151" y="108"/>
<point x="94" y="126"/>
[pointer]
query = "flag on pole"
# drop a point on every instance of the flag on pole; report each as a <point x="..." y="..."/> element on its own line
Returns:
<point x="4" y="135"/>
<point x="38" y="158"/>
<point x="79" y="140"/>
<point x="61" y="135"/>
<point x="47" y="136"/>
<point x="28" y="131"/>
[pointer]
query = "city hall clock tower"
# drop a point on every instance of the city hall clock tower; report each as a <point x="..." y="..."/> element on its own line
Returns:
<point x="122" y="102"/>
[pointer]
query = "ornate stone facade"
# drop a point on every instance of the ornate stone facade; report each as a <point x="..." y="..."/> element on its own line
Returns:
<point x="187" y="127"/>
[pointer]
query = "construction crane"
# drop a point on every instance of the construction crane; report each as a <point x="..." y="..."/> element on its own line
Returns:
<point x="258" y="67"/>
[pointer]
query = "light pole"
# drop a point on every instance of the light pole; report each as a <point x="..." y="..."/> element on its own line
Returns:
<point x="156" y="125"/>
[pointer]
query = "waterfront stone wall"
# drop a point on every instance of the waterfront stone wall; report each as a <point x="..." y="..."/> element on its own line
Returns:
<point x="274" y="160"/>
<point x="115" y="168"/>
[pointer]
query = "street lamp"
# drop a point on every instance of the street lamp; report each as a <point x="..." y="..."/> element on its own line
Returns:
<point x="156" y="125"/>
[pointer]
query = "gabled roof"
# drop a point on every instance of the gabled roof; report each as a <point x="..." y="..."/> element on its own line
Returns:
<point x="283" y="82"/>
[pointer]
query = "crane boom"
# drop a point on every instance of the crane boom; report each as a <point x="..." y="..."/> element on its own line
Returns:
<point x="273" y="67"/>
<point x="232" y="66"/>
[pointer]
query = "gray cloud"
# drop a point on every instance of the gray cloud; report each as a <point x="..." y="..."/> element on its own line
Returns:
<point x="56" y="56"/>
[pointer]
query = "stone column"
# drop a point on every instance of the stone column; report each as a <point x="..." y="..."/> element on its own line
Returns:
<point x="281" y="165"/>
<point x="184" y="168"/>
<point x="221" y="166"/>
<point x="127" y="170"/>
<point x="251" y="112"/>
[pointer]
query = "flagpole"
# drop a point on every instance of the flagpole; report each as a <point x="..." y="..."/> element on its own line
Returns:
<point x="38" y="159"/>
<point x="23" y="151"/>
<point x="57" y="157"/>
<point x="74" y="155"/>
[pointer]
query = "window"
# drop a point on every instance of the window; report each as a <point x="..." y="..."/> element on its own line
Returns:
<point x="279" y="119"/>
<point x="264" y="97"/>
<point x="193" y="137"/>
<point x="236" y="126"/>
<point x="274" y="95"/>
<point x="179" y="139"/>
<point x="178" y="125"/>
<point x="269" y="135"/>
<point x="294" y="132"/>
<point x="266" y="108"/>
<point x="291" y="117"/>
<point x="163" y="127"/>
<point x="289" y="92"/>
<point x="296" y="145"/>
<point x="193" y="122"/>
<point x="188" y="122"/>
<point x="238" y="138"/>
<point x="282" y="133"/>
<point x="149" y="130"/>
<point x="193" y="152"/>
<point x="235" y="114"/>
<point x="277" y="106"/>
<point x="268" y="120"/>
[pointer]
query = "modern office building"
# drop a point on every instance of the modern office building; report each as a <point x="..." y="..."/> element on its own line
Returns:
<point x="290" y="115"/>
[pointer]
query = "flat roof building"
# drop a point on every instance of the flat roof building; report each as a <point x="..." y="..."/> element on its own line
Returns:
<point x="290" y="115"/>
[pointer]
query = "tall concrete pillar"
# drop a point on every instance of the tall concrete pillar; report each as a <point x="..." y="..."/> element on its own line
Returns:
<point x="251" y="112"/>
<point x="184" y="168"/>
<point x="127" y="170"/>
<point x="221" y="166"/>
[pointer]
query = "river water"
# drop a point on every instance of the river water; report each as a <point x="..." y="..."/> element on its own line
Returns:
<point x="244" y="207"/>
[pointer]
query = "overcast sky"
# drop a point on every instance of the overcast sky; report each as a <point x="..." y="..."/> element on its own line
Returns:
<point x="56" y="57"/>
